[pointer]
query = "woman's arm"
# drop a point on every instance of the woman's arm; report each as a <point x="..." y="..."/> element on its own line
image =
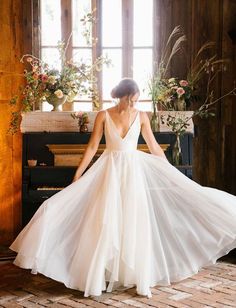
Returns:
<point x="148" y="136"/>
<point x="93" y="144"/>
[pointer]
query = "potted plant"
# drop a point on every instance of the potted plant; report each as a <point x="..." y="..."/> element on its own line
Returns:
<point x="82" y="119"/>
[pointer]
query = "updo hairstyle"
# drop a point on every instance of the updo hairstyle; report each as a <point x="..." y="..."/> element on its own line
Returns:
<point x="127" y="86"/>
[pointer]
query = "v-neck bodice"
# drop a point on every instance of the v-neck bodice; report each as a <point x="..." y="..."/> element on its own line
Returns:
<point x="113" y="139"/>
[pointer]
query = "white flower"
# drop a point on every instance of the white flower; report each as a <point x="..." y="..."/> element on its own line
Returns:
<point x="52" y="79"/>
<point x="59" y="93"/>
<point x="171" y="80"/>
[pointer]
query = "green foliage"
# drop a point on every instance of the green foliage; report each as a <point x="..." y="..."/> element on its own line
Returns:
<point x="14" y="122"/>
<point x="81" y="117"/>
<point x="178" y="124"/>
<point x="168" y="92"/>
<point x="44" y="82"/>
<point x="198" y="88"/>
<point x="13" y="100"/>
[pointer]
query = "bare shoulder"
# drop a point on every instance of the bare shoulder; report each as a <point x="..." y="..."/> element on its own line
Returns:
<point x="143" y="116"/>
<point x="111" y="110"/>
<point x="101" y="115"/>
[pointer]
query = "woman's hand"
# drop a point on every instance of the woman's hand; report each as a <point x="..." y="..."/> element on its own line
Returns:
<point x="92" y="146"/>
<point x="75" y="178"/>
<point x="149" y="138"/>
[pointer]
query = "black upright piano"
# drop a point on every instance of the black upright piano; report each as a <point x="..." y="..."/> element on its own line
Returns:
<point x="44" y="180"/>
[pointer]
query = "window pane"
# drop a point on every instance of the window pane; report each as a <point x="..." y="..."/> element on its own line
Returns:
<point x="50" y="22"/>
<point x="82" y="54"/>
<point x="143" y="23"/>
<point x="142" y="70"/>
<point x="51" y="57"/>
<point x="108" y="105"/>
<point x="112" y="74"/>
<point x="79" y="9"/>
<point x="83" y="106"/>
<point x="46" y="106"/>
<point x="83" y="97"/>
<point x="86" y="56"/>
<point x="144" y="106"/>
<point x="111" y="23"/>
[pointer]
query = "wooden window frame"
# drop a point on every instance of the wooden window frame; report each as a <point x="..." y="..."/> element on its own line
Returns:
<point x="127" y="36"/>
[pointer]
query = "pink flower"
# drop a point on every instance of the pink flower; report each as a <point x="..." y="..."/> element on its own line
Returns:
<point x="29" y="59"/>
<point x="180" y="91"/>
<point x="183" y="83"/>
<point x="79" y="114"/>
<point x="44" y="78"/>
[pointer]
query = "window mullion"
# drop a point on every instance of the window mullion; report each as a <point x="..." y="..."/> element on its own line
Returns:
<point x="127" y="35"/>
<point x="124" y="38"/>
<point x="66" y="25"/>
<point x="36" y="24"/>
<point x="156" y="40"/>
<point x="97" y="45"/>
<point x="66" y="32"/>
<point x="130" y="37"/>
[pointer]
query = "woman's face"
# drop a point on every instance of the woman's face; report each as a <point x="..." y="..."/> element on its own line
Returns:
<point x="133" y="99"/>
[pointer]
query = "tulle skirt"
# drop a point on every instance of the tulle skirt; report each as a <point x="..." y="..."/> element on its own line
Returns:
<point x="131" y="220"/>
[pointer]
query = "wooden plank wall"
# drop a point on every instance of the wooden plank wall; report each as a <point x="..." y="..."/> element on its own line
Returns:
<point x="228" y="110"/>
<point x="11" y="32"/>
<point x="214" y="146"/>
<point x="215" y="142"/>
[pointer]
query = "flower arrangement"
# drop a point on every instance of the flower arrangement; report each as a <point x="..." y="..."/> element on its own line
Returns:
<point x="82" y="118"/>
<point x="45" y="83"/>
<point x="174" y="94"/>
<point x="203" y="70"/>
<point x="196" y="91"/>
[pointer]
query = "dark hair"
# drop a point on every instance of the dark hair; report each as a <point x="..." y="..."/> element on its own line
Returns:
<point x="127" y="86"/>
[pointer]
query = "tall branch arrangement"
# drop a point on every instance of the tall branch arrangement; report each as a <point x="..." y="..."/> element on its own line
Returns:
<point x="172" y="94"/>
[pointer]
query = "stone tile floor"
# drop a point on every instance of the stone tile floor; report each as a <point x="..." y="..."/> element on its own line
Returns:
<point x="213" y="286"/>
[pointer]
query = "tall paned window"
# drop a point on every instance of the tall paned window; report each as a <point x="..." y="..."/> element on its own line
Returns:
<point x="143" y="47"/>
<point x="111" y="45"/>
<point x="50" y="31"/>
<point x="123" y="33"/>
<point x="81" y="49"/>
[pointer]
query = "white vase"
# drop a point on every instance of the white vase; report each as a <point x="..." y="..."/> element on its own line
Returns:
<point x="177" y="152"/>
<point x="56" y="102"/>
<point x="155" y="121"/>
<point x="180" y="104"/>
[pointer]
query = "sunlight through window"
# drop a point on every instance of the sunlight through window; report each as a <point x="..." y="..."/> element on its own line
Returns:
<point x="111" y="23"/>
<point x="126" y="40"/>
<point x="50" y="22"/>
<point x="111" y="75"/>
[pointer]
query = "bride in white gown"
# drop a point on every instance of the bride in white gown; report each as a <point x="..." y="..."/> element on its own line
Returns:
<point x="132" y="219"/>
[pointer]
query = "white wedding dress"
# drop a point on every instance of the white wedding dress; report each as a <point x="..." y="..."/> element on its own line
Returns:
<point x="132" y="219"/>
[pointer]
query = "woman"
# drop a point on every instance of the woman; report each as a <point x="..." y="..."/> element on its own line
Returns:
<point x="123" y="113"/>
<point x="132" y="219"/>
